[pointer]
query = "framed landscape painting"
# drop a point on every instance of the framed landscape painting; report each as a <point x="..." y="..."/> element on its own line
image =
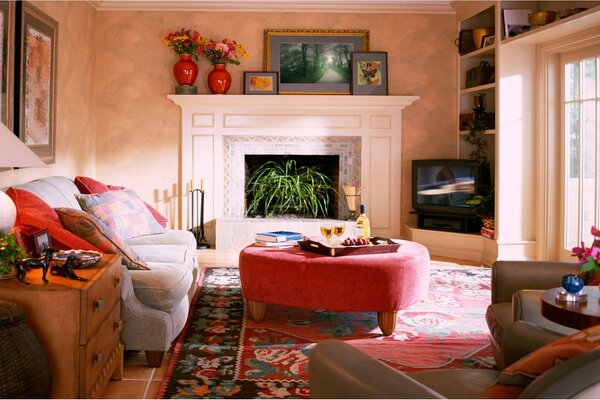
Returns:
<point x="313" y="61"/>
<point x="37" y="81"/>
<point x="369" y="73"/>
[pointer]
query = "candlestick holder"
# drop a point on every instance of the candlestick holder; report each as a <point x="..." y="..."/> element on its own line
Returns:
<point x="197" y="216"/>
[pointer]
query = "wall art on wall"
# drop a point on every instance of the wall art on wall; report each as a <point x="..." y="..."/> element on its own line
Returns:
<point x="313" y="61"/>
<point x="261" y="82"/>
<point x="7" y="69"/>
<point x="37" y="81"/>
<point x="369" y="73"/>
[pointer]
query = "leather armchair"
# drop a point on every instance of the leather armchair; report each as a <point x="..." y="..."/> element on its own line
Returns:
<point x="516" y="290"/>
<point x="338" y="370"/>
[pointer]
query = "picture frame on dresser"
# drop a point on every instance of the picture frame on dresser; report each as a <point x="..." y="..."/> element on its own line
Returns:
<point x="369" y="73"/>
<point x="35" y="83"/>
<point x="41" y="242"/>
<point x="261" y="82"/>
<point x="314" y="61"/>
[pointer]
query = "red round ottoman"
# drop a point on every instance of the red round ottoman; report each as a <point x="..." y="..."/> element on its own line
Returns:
<point x="383" y="283"/>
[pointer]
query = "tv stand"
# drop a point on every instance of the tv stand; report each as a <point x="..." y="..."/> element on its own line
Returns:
<point x="447" y="222"/>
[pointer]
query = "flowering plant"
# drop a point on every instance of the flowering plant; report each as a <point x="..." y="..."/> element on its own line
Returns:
<point x="185" y="41"/>
<point x="589" y="257"/>
<point x="223" y="52"/>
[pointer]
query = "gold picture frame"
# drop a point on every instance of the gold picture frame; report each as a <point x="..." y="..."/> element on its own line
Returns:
<point x="324" y="66"/>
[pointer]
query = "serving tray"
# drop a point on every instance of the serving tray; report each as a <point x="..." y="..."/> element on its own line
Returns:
<point x="378" y="245"/>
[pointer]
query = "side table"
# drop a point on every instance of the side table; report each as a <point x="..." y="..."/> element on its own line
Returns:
<point x="572" y="314"/>
<point x="77" y="323"/>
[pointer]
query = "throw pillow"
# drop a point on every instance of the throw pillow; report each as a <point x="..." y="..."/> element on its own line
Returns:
<point x="94" y="231"/>
<point x="123" y="211"/>
<point x="91" y="186"/>
<point x="34" y="214"/>
<point x="516" y="377"/>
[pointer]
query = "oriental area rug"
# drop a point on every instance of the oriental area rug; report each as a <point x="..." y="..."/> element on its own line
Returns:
<point x="222" y="353"/>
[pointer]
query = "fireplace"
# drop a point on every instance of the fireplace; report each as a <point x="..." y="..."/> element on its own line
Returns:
<point x="328" y="165"/>
<point x="218" y="132"/>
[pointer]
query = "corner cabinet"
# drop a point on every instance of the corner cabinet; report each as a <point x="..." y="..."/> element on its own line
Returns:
<point x="514" y="98"/>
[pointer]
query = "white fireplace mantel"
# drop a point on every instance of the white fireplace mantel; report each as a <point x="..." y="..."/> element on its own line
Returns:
<point x="206" y="120"/>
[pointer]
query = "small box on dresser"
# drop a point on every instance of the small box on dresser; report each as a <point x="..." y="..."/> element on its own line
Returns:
<point x="77" y="323"/>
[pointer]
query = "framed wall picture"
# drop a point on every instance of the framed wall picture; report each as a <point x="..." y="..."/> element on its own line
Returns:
<point x="369" y="73"/>
<point x="313" y="61"/>
<point x="38" y="36"/>
<point x="41" y="242"/>
<point x="7" y="63"/>
<point x="488" y="40"/>
<point x="261" y="82"/>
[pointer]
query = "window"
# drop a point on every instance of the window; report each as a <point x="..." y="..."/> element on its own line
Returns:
<point x="581" y="145"/>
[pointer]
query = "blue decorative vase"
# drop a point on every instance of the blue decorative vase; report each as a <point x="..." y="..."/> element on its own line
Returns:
<point x="572" y="283"/>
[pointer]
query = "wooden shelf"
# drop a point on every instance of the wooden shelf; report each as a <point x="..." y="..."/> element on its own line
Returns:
<point x="486" y="132"/>
<point x="483" y="88"/>
<point x="487" y="51"/>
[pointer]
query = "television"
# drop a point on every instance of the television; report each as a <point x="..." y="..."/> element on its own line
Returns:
<point x="443" y="186"/>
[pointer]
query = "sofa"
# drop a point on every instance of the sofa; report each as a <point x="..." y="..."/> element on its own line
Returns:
<point x="156" y="294"/>
<point x="516" y="291"/>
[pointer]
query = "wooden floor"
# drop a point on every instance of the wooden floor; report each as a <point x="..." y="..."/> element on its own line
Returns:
<point x="141" y="382"/>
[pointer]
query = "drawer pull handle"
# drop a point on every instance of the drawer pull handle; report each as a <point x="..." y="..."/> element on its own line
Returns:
<point x="119" y="325"/>
<point x="98" y="357"/>
<point x="117" y="281"/>
<point x="99" y="304"/>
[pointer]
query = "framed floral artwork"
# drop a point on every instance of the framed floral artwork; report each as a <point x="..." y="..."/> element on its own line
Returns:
<point x="7" y="69"/>
<point x="38" y="35"/>
<point x="313" y="61"/>
<point x="261" y="82"/>
<point x="369" y="73"/>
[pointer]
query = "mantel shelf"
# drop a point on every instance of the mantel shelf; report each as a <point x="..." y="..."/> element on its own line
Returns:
<point x="282" y="101"/>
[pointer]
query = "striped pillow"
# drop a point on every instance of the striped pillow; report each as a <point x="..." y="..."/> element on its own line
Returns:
<point x="122" y="211"/>
<point x="90" y="228"/>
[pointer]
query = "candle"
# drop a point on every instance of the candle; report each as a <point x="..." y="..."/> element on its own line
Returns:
<point x="201" y="184"/>
<point x="192" y="184"/>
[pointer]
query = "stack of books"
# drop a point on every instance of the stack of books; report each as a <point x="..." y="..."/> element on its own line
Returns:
<point x="487" y="232"/>
<point x="278" y="239"/>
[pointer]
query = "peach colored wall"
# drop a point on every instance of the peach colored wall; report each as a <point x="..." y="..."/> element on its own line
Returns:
<point x="75" y="114"/>
<point x="138" y="128"/>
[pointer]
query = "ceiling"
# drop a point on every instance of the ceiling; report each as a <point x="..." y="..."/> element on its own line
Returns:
<point x="351" y="6"/>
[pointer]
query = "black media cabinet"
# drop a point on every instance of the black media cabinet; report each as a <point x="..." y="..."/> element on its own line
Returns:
<point x="447" y="222"/>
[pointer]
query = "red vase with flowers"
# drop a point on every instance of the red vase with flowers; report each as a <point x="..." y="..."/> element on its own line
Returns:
<point x="186" y="43"/>
<point x="219" y="54"/>
<point x="185" y="70"/>
<point x="219" y="79"/>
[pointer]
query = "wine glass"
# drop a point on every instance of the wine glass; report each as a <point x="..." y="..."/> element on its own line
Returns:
<point x="327" y="231"/>
<point x="338" y="230"/>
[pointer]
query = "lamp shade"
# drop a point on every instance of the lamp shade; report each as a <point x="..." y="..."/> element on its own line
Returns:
<point x="14" y="153"/>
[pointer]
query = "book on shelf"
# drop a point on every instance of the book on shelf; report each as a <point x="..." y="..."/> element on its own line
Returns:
<point x="487" y="232"/>
<point x="287" y="243"/>
<point x="278" y="236"/>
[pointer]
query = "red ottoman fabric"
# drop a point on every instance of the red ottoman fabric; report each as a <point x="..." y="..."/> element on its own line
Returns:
<point x="296" y="278"/>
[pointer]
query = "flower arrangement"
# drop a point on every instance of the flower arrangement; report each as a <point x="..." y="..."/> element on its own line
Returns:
<point x="589" y="257"/>
<point x="10" y="253"/>
<point x="185" y="41"/>
<point x="223" y="52"/>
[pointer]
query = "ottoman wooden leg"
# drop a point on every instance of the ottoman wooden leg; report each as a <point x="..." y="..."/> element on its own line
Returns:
<point x="257" y="310"/>
<point x="387" y="322"/>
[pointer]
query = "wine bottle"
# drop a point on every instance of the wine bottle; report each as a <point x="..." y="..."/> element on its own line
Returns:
<point x="363" y="225"/>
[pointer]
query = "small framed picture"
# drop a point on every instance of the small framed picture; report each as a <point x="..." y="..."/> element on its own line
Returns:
<point x="369" y="73"/>
<point x="489" y="40"/>
<point x="515" y="21"/>
<point x="262" y="82"/>
<point x="41" y="242"/>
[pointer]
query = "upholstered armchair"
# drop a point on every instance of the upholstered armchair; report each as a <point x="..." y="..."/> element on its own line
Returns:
<point x="516" y="290"/>
<point x="338" y="370"/>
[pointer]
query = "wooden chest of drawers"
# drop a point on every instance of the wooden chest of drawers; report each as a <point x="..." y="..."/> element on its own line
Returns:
<point x="77" y="323"/>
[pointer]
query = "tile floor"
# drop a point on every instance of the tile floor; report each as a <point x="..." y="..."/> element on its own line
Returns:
<point x="141" y="382"/>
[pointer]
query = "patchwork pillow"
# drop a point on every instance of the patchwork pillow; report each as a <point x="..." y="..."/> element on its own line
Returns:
<point x="94" y="231"/>
<point x="33" y="215"/>
<point x="516" y="377"/>
<point x="91" y="186"/>
<point x="122" y="211"/>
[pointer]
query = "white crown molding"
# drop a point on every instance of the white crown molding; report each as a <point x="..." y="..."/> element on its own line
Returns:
<point x="345" y="6"/>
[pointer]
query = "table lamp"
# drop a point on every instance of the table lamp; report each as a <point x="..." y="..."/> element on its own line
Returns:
<point x="13" y="153"/>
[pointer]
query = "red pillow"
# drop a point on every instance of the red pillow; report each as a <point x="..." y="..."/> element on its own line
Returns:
<point x="91" y="186"/>
<point x="33" y="215"/>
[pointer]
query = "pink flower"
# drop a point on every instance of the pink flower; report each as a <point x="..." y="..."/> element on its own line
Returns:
<point x="596" y="253"/>
<point x="578" y="251"/>
<point x="595" y="231"/>
<point x="223" y="47"/>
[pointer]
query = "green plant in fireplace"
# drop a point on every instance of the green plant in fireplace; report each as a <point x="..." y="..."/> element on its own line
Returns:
<point x="10" y="253"/>
<point x="278" y="188"/>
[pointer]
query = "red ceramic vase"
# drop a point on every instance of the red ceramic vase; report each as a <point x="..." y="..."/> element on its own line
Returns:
<point x="185" y="70"/>
<point x="219" y="79"/>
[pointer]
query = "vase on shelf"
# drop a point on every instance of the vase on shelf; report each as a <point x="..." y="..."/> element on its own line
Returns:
<point x="185" y="71"/>
<point x="219" y="79"/>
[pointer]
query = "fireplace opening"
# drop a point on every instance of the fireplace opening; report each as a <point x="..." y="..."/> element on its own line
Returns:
<point x="328" y="165"/>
